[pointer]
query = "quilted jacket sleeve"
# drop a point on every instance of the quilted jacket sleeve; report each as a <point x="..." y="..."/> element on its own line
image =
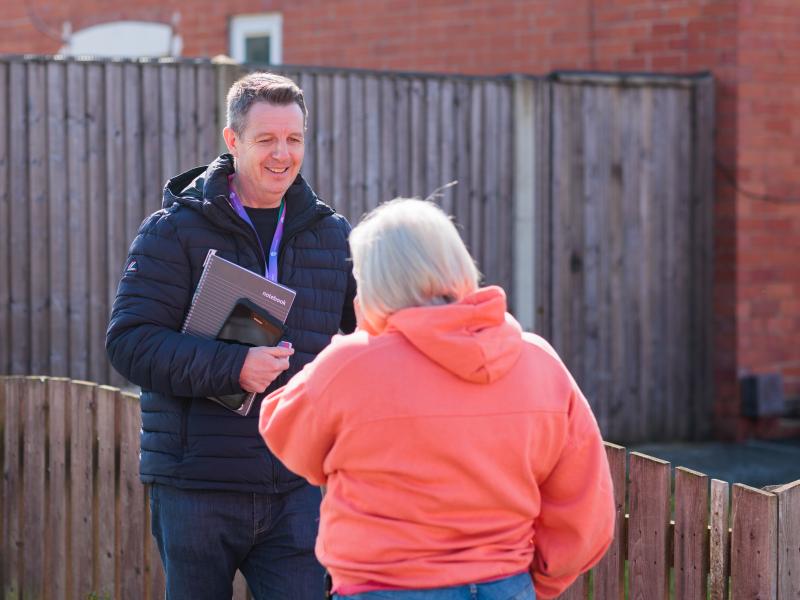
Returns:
<point x="143" y="340"/>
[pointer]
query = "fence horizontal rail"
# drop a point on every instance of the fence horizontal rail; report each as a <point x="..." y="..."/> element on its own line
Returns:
<point x="72" y="507"/>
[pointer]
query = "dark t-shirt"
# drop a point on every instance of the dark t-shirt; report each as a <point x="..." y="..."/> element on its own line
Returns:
<point x="265" y="220"/>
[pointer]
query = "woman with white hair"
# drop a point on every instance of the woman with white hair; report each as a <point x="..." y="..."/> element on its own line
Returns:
<point x="460" y="458"/>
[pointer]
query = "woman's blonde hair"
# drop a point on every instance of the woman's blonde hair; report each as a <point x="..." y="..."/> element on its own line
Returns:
<point x="407" y="252"/>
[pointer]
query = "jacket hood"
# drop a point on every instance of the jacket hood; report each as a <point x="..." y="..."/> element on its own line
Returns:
<point x="475" y="339"/>
<point x="205" y="189"/>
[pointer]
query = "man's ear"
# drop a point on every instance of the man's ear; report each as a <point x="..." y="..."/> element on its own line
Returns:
<point x="231" y="140"/>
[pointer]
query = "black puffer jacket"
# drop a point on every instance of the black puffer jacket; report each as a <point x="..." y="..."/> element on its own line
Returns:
<point x="187" y="440"/>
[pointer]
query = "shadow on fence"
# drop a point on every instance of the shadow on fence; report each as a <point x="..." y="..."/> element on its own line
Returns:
<point x="75" y="519"/>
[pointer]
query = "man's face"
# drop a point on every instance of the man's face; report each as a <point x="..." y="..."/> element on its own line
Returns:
<point x="268" y="153"/>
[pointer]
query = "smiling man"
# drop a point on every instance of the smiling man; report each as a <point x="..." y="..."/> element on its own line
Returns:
<point x="220" y="501"/>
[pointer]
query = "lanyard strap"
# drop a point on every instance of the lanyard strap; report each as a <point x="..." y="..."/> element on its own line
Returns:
<point x="272" y="260"/>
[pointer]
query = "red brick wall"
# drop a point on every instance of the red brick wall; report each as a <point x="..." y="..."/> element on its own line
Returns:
<point x="768" y="162"/>
<point x="752" y="47"/>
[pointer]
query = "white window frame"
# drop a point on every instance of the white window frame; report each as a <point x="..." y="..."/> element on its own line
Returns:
<point x="244" y="26"/>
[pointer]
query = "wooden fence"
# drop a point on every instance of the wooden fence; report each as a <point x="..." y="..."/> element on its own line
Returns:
<point x="587" y="198"/>
<point x="75" y="516"/>
<point x="625" y="266"/>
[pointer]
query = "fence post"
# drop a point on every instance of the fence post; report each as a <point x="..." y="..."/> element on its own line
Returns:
<point x="788" y="540"/>
<point x="525" y="155"/>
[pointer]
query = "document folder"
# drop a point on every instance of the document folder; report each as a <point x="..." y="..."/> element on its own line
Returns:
<point x="236" y="305"/>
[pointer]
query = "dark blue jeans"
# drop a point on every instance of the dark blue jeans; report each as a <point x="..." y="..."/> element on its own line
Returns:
<point x="205" y="536"/>
<point x="516" y="587"/>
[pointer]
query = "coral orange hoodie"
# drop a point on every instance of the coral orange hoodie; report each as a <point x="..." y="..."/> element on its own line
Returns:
<point x="455" y="448"/>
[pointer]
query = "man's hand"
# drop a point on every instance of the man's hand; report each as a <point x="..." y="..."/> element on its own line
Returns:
<point x="262" y="365"/>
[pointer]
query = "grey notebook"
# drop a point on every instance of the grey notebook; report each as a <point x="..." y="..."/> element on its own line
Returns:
<point x="221" y="285"/>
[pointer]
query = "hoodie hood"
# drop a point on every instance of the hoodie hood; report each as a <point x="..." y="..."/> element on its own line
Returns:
<point x="475" y="339"/>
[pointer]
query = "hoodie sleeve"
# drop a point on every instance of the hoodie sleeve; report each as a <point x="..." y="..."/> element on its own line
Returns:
<point x="297" y="428"/>
<point x="576" y="523"/>
<point x="143" y="339"/>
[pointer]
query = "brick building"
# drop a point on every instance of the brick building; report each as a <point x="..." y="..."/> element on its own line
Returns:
<point x="751" y="46"/>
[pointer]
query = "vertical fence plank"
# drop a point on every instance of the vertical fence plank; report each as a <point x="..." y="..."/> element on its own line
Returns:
<point x="691" y="530"/>
<point x="597" y="117"/>
<point x="504" y="192"/>
<point x="463" y="161"/>
<point x="609" y="571"/>
<point x="542" y="215"/>
<point x="341" y="147"/>
<point x="117" y="240"/>
<point x="56" y="559"/>
<point x="788" y="540"/>
<point x="226" y="73"/>
<point x="57" y="200"/>
<point x="416" y="146"/>
<point x="98" y="219"/>
<point x="106" y="401"/>
<point x="33" y="505"/>
<point x="357" y="162"/>
<point x="388" y="140"/>
<point x="625" y="235"/>
<point x="433" y="131"/>
<point x="323" y="140"/>
<point x="78" y="218"/>
<point x="679" y="259"/>
<point x="476" y="157"/>
<point x="134" y="186"/>
<point x="151" y="130"/>
<point x="170" y="159"/>
<point x="81" y="484"/>
<point x="12" y="539"/>
<point x="307" y="82"/>
<point x="754" y="544"/>
<point x="131" y="518"/>
<point x="447" y="144"/>
<point x="649" y="496"/>
<point x="719" y="542"/>
<point x="38" y="210"/>
<point x="19" y="288"/>
<point x="402" y="90"/>
<point x="490" y="183"/>
<point x="372" y="140"/>
<point x="568" y="225"/>
<point x="5" y="226"/>
<point x="209" y="129"/>
<point x="187" y="117"/>
<point x="3" y="531"/>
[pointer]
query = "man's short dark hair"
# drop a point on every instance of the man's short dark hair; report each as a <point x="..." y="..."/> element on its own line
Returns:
<point x="261" y="87"/>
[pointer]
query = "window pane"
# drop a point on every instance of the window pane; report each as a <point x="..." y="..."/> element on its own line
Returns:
<point x="256" y="49"/>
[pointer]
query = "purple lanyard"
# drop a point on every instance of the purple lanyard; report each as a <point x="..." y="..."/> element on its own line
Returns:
<point x="272" y="262"/>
